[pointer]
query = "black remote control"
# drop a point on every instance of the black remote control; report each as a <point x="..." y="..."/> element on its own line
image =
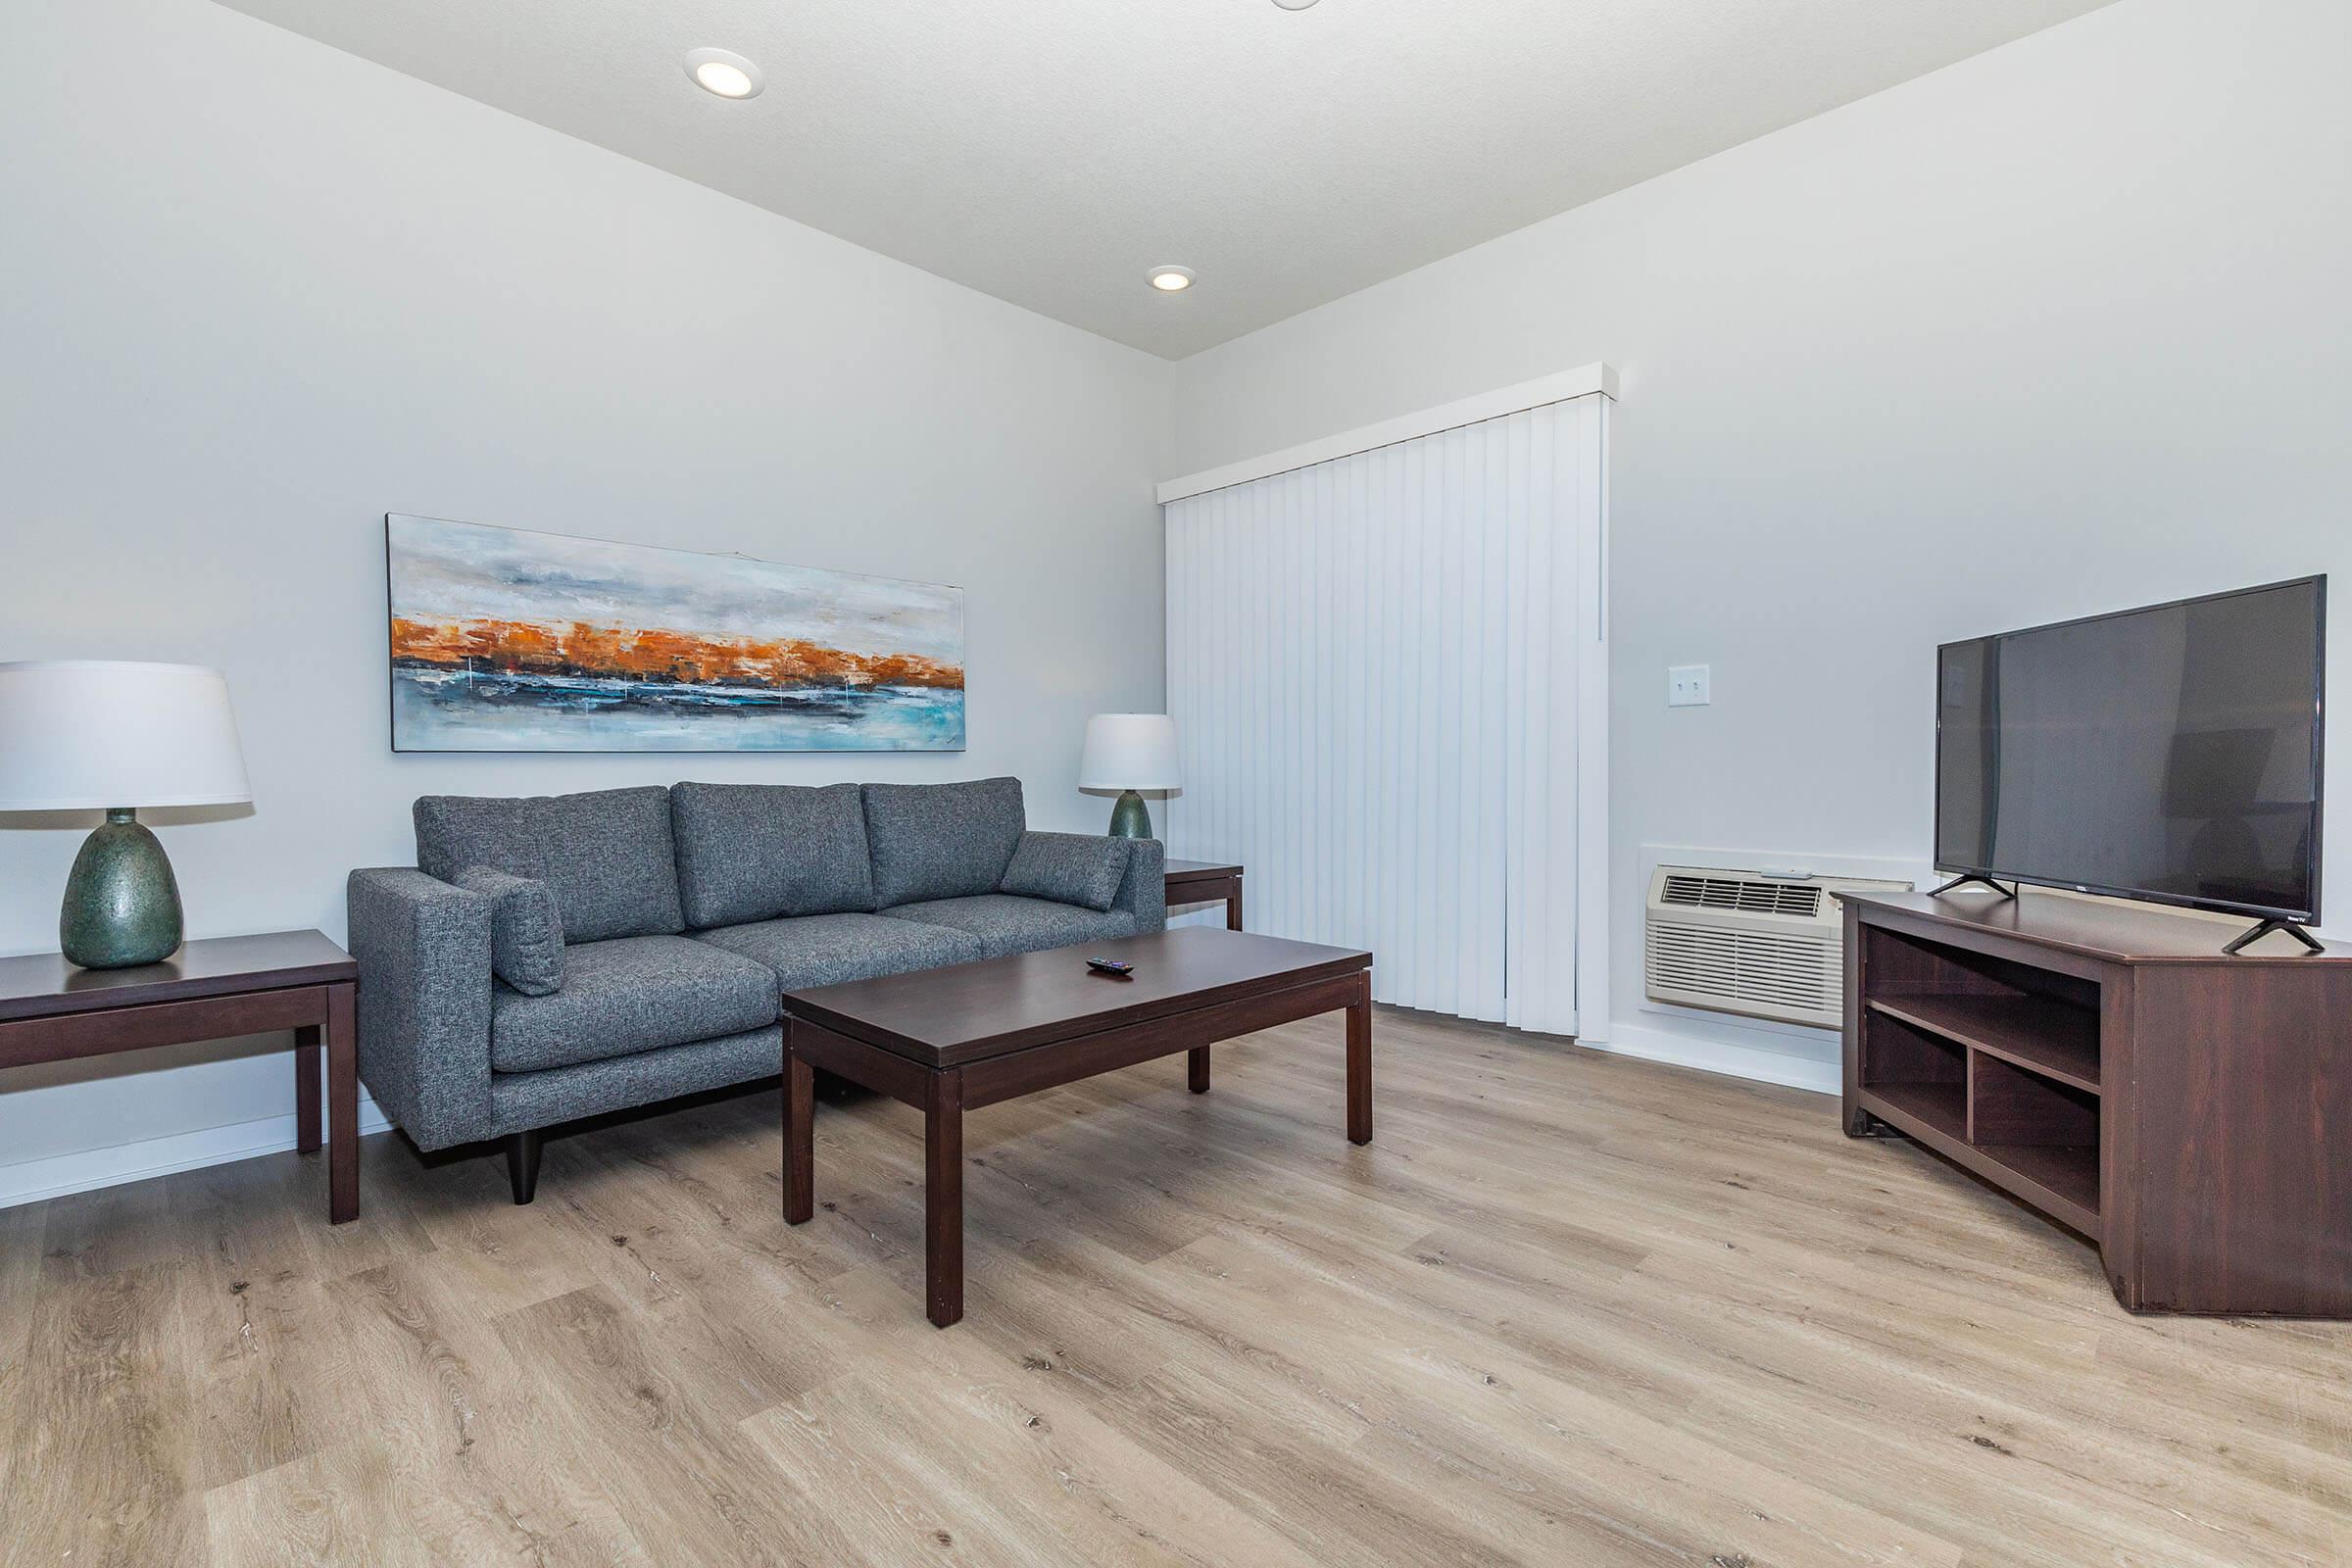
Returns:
<point x="1111" y="967"/>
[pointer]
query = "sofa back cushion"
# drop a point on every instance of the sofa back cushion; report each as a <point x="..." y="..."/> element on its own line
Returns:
<point x="941" y="841"/>
<point x="760" y="851"/>
<point x="1068" y="869"/>
<point x="606" y="853"/>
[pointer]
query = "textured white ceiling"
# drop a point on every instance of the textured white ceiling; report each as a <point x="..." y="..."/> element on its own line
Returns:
<point x="1050" y="151"/>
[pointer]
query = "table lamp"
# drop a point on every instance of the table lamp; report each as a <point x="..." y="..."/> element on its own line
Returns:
<point x="1127" y="753"/>
<point x="94" y="734"/>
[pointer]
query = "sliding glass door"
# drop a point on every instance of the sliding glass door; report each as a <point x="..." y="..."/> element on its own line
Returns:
<point x="1386" y="673"/>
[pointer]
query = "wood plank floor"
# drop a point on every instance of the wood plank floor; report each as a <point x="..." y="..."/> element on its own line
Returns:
<point x="1567" y="1309"/>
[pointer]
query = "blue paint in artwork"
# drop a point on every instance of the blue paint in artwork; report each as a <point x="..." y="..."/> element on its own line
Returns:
<point x="444" y="711"/>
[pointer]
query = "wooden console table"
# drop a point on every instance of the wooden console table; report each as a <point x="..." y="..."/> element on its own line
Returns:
<point x="2188" y="1111"/>
<point x="210" y="989"/>
<point x="1206" y="882"/>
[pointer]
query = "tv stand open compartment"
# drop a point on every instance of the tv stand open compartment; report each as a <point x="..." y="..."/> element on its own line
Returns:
<point x="2186" y="1111"/>
<point x="1993" y="1063"/>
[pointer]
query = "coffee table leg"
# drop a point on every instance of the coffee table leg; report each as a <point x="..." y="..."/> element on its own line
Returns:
<point x="1196" y="1069"/>
<point x="799" y="1138"/>
<point x="1360" y="1066"/>
<point x="342" y="1106"/>
<point x="943" y="1199"/>
<point x="306" y="1135"/>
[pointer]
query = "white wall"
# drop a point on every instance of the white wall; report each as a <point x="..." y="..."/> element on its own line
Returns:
<point x="255" y="293"/>
<point x="2062" y="329"/>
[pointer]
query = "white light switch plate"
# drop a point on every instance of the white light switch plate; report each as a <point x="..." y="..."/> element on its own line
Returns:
<point x="1687" y="685"/>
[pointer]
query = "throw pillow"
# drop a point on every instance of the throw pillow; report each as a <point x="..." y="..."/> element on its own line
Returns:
<point x="1068" y="869"/>
<point x="526" y="930"/>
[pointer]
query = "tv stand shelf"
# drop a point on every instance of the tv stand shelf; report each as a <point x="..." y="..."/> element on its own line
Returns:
<point x="2187" y="1111"/>
<point x="2049" y="1037"/>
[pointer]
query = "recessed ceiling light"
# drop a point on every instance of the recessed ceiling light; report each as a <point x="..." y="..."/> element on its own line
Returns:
<point x="1171" y="279"/>
<point x="724" y="72"/>
<point x="1294" y="4"/>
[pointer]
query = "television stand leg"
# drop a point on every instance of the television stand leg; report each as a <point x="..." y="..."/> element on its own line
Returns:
<point x="1963" y="881"/>
<point x="1862" y="1124"/>
<point x="2268" y="927"/>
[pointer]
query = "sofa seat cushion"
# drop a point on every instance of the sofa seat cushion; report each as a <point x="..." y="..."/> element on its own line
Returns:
<point x="941" y="841"/>
<point x="1004" y="922"/>
<point x="630" y="994"/>
<point x="821" y="949"/>
<point x="606" y="853"/>
<point x="758" y="851"/>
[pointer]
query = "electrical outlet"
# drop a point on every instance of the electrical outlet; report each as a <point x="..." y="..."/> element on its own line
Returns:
<point x="1686" y="686"/>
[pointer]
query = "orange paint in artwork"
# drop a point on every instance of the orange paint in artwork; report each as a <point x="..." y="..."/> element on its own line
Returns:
<point x="575" y="648"/>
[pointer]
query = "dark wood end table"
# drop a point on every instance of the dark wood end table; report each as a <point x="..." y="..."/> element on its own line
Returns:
<point x="1206" y="882"/>
<point x="210" y="989"/>
<point x="952" y="1039"/>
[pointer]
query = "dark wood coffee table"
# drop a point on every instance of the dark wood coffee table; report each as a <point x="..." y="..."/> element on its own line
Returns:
<point x="948" y="1041"/>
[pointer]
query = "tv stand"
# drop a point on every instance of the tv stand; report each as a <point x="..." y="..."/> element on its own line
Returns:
<point x="2187" y="1111"/>
<point x="1963" y="881"/>
<point x="2310" y="943"/>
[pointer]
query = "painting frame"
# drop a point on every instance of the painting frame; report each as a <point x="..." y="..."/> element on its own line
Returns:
<point x="878" y="698"/>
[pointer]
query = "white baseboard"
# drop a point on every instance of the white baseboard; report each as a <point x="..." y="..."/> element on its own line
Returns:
<point x="1716" y="1054"/>
<point x="86" y="1170"/>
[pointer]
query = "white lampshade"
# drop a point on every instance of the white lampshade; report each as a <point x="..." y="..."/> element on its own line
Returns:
<point x="83" y="734"/>
<point x="1130" y="752"/>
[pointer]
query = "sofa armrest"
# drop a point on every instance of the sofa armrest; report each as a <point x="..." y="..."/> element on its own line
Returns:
<point x="1144" y="893"/>
<point x="423" y="949"/>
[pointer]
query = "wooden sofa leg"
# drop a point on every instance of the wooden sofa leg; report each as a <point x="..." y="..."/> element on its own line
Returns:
<point x="522" y="1164"/>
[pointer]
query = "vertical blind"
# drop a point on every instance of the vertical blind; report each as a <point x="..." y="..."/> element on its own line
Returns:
<point x="1378" y="666"/>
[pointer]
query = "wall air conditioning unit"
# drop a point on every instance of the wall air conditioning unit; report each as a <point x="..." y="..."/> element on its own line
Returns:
<point x="1764" y="946"/>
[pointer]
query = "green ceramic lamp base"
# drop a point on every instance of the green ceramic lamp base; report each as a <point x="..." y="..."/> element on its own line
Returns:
<point x="1130" y="818"/>
<point x="121" y="903"/>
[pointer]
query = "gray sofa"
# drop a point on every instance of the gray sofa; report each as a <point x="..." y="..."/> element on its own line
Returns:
<point x="619" y="947"/>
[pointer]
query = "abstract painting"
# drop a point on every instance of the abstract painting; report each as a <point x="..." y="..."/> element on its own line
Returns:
<point x="509" y="641"/>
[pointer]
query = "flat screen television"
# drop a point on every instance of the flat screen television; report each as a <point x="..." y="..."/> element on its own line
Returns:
<point x="2170" y="753"/>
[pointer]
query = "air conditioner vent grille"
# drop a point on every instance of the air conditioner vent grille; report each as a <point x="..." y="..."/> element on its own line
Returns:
<point x="1746" y="969"/>
<point x="1744" y="942"/>
<point x="1746" y="895"/>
